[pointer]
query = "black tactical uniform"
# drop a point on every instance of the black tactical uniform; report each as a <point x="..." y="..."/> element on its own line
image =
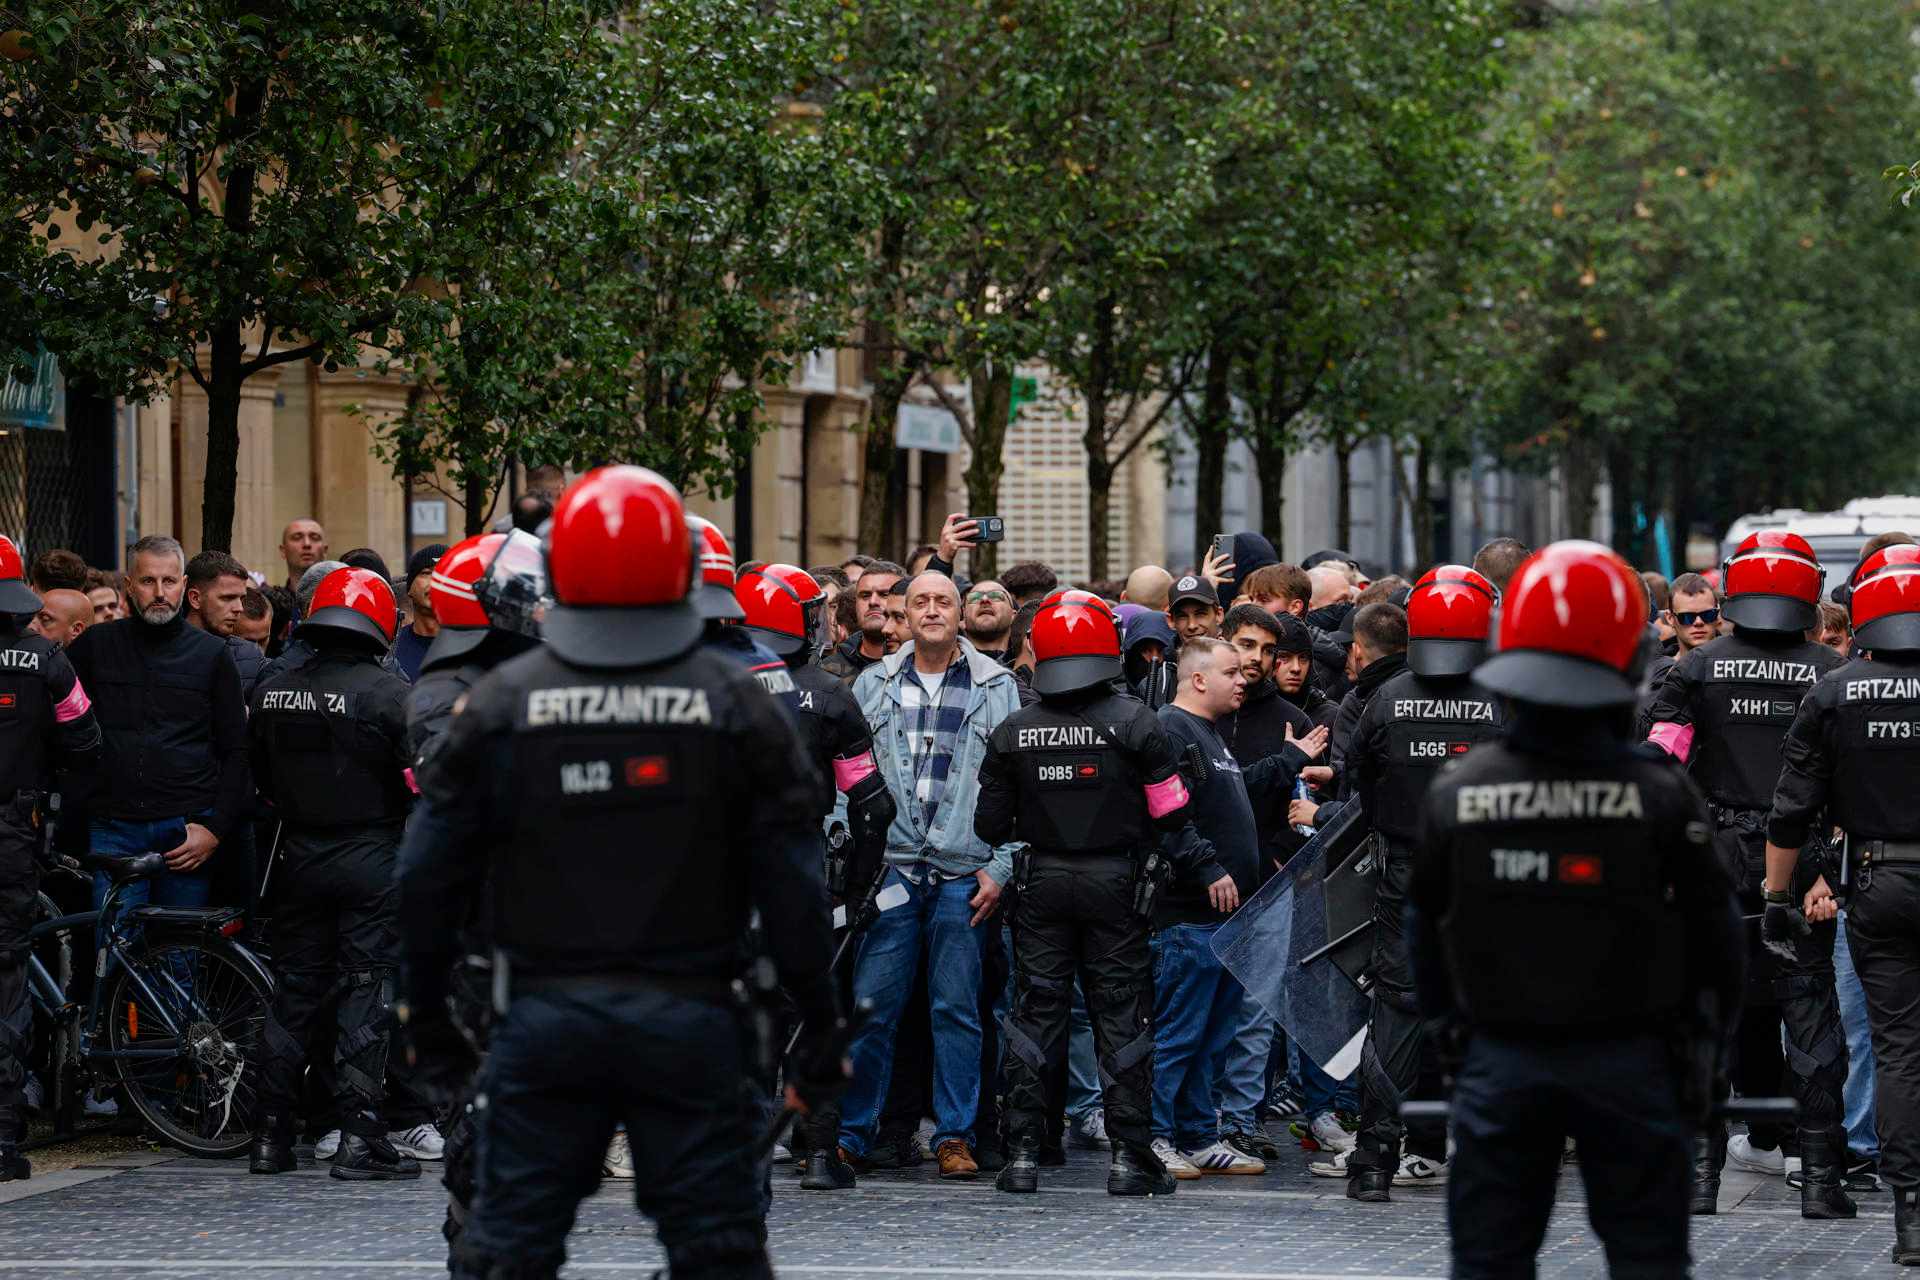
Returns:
<point x="45" y="719"/>
<point x="1071" y="777"/>
<point x="1566" y="913"/>
<point x="1739" y="694"/>
<point x="1410" y="727"/>
<point x="329" y="747"/>
<point x="445" y="677"/>
<point x="1854" y="754"/>
<point x="627" y="817"/>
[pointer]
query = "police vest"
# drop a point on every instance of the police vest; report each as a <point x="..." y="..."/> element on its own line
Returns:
<point x="327" y="767"/>
<point x="26" y="714"/>
<point x="621" y="852"/>
<point x="1743" y="705"/>
<point x="1560" y="911"/>
<point x="1428" y="722"/>
<point x="1080" y="779"/>
<point x="1874" y="792"/>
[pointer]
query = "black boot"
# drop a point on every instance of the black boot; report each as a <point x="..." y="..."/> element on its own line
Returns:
<point x="372" y="1159"/>
<point x="1906" y="1227"/>
<point x="1022" y="1171"/>
<point x="1823" y="1174"/>
<point x="1136" y="1171"/>
<point x="827" y="1171"/>
<point x="13" y="1165"/>
<point x="1372" y="1182"/>
<point x="272" y="1146"/>
<point x="1709" y="1158"/>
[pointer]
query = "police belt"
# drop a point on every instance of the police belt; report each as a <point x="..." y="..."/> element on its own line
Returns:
<point x="706" y="987"/>
<point x="1880" y="853"/>
<point x="1085" y="859"/>
<point x="1752" y="821"/>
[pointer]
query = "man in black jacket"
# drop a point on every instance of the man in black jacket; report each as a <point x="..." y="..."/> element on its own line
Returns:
<point x="1294" y="671"/>
<point x="175" y="777"/>
<point x="216" y="586"/>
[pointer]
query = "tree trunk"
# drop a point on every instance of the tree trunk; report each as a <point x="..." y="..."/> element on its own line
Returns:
<point x="1211" y="433"/>
<point x="1580" y="469"/>
<point x="1626" y="533"/>
<point x="223" y="440"/>
<point x="1424" y="554"/>
<point x="890" y="378"/>
<point x="1343" y="493"/>
<point x="1094" y="438"/>
<point x="1270" y="464"/>
<point x="478" y="502"/>
<point x="992" y="389"/>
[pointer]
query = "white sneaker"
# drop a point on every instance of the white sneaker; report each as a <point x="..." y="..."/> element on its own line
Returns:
<point x="328" y="1146"/>
<point x="422" y="1142"/>
<point x="619" y="1161"/>
<point x="1330" y="1134"/>
<point x="1418" y="1171"/>
<point x="923" y="1146"/>
<point x="1220" y="1157"/>
<point x="1335" y="1166"/>
<point x="1177" y="1165"/>
<point x="98" y="1105"/>
<point x="1741" y="1154"/>
<point x="1090" y="1131"/>
<point x="33" y="1093"/>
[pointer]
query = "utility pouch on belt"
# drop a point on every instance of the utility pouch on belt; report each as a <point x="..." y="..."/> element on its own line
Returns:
<point x="839" y="852"/>
<point x="1150" y="873"/>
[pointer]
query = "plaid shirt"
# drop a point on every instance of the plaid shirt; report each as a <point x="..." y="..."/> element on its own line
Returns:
<point x="933" y="719"/>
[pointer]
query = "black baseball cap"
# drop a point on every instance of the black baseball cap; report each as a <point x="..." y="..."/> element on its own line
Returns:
<point x="1191" y="588"/>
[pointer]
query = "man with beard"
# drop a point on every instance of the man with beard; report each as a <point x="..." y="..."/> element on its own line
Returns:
<point x="872" y="591"/>
<point x="175" y="775"/>
<point x="989" y="620"/>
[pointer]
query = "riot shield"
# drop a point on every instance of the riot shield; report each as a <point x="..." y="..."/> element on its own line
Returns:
<point x="1300" y="945"/>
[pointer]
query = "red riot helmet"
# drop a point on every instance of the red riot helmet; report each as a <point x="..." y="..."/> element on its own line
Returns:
<point x="15" y="595"/>
<point x="1885" y="604"/>
<point x="1076" y="643"/>
<point x="713" y="572"/>
<point x="784" y="607"/>
<point x="357" y="603"/>
<point x="1772" y="583"/>
<point x="489" y="582"/>
<point x="1449" y="614"/>
<point x="1570" y="628"/>
<point x="620" y="559"/>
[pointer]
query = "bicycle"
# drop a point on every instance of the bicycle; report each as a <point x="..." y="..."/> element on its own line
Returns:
<point x="177" y="1015"/>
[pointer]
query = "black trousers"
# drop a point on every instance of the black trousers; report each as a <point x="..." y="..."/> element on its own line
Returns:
<point x="335" y="938"/>
<point x="565" y="1066"/>
<point x="19" y="885"/>
<point x="1393" y="1061"/>
<point x="1075" y="916"/>
<point x="1515" y="1104"/>
<point x="1883" y="932"/>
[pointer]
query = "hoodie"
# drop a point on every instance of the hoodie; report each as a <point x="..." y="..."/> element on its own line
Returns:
<point x="1152" y="682"/>
<point x="1250" y="551"/>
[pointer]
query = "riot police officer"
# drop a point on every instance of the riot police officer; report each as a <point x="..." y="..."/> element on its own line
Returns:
<point x="329" y="747"/>
<point x="1417" y="721"/>
<point x="595" y="784"/>
<point x="488" y="592"/>
<point x="1566" y="910"/>
<point x="1852" y="754"/>
<point x="785" y="610"/>
<point x="1725" y="709"/>
<point x="1085" y="777"/>
<point x="48" y="723"/>
<point x="714" y="599"/>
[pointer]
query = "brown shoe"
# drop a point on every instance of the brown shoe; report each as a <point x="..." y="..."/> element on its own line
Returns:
<point x="956" y="1161"/>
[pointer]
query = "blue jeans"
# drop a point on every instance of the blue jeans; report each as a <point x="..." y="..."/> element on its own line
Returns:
<point x="1083" y="1072"/>
<point x="1196" y="1011"/>
<point x="1320" y="1092"/>
<point x="934" y="919"/>
<point x="126" y="838"/>
<point x="1857" y="1097"/>
<point x="1242" y="1069"/>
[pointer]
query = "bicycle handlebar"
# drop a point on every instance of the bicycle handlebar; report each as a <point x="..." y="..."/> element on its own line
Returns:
<point x="146" y="864"/>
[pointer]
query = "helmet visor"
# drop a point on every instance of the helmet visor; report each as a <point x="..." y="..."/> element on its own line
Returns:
<point x="513" y="590"/>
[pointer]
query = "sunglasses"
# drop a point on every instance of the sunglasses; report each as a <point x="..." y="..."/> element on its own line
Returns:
<point x="987" y="595"/>
<point x="1694" y="618"/>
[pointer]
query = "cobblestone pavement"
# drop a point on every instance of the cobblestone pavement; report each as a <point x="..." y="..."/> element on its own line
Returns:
<point x="139" y="1215"/>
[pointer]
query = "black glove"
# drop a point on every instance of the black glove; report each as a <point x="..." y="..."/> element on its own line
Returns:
<point x="1781" y="927"/>
<point x="441" y="1057"/>
<point x="818" y="1072"/>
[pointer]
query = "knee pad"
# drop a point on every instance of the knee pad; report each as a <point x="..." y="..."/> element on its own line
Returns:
<point x="1126" y="1058"/>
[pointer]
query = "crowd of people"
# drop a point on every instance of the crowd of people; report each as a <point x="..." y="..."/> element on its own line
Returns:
<point x="1246" y="690"/>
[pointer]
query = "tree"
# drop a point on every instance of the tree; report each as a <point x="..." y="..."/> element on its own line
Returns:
<point x="229" y="186"/>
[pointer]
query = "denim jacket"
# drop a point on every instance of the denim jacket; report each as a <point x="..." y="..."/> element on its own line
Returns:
<point x="949" y="845"/>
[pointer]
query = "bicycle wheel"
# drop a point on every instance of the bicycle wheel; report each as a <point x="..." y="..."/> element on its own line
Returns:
<point x="193" y="997"/>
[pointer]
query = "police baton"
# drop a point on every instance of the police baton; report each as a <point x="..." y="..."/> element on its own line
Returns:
<point x="869" y="910"/>
<point x="273" y="852"/>
<point x="1752" y="1110"/>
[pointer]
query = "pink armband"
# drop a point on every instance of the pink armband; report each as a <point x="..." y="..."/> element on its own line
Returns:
<point x="73" y="706"/>
<point x="1674" y="739"/>
<point x="411" y="784"/>
<point x="850" y="771"/>
<point x="1164" y="797"/>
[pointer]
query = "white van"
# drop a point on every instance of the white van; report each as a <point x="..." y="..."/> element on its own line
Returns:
<point x="1836" y="536"/>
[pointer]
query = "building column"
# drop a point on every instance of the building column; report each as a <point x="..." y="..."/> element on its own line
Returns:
<point x="254" y="537"/>
<point x="356" y="498"/>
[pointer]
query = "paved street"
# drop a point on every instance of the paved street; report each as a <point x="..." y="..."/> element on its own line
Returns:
<point x="151" y="1215"/>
